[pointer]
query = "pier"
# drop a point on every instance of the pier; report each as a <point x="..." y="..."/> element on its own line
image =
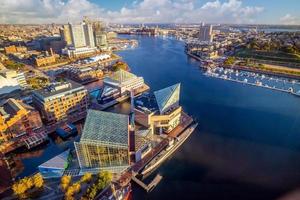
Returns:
<point x="151" y="185"/>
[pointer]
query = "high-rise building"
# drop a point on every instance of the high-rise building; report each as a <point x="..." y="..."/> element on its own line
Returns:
<point x="66" y="34"/>
<point x="205" y="33"/>
<point x="100" y="35"/>
<point x="89" y="35"/>
<point x="78" y="35"/>
<point x="17" y="119"/>
<point x="82" y="40"/>
<point x="61" y="101"/>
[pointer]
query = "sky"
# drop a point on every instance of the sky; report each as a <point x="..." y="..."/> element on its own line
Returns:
<point x="285" y="12"/>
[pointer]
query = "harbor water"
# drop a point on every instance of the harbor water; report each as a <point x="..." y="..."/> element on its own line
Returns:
<point x="247" y="143"/>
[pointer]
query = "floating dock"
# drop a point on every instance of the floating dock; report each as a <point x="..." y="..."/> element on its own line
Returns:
<point x="151" y="185"/>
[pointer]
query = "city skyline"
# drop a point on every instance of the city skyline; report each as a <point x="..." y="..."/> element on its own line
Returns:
<point x="151" y="11"/>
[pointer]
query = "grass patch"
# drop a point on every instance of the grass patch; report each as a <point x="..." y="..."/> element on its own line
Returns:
<point x="277" y="56"/>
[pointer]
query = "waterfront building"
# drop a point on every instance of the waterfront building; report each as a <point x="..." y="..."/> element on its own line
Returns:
<point x="104" y="141"/>
<point x="159" y="111"/>
<point x="79" y="52"/>
<point x="121" y="83"/>
<point x="84" y="74"/>
<point x="205" y="33"/>
<point x="17" y="119"/>
<point x="61" y="101"/>
<point x="18" y="76"/>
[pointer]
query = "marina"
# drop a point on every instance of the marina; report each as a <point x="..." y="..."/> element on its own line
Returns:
<point x="276" y="83"/>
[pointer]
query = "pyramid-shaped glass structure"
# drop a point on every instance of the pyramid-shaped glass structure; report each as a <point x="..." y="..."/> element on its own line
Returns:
<point x="121" y="76"/>
<point x="58" y="162"/>
<point x="167" y="97"/>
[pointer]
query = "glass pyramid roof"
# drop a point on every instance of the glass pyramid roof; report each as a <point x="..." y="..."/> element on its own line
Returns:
<point x="58" y="162"/>
<point x="105" y="127"/>
<point x="122" y="76"/>
<point x="167" y="97"/>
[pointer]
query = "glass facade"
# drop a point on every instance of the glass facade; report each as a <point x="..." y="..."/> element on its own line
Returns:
<point x="167" y="97"/>
<point x="104" y="141"/>
<point x="97" y="155"/>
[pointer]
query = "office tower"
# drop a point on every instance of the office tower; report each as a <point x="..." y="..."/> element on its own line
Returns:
<point x="78" y="35"/>
<point x="205" y="33"/>
<point x="66" y="34"/>
<point x="100" y="35"/>
<point x="89" y="35"/>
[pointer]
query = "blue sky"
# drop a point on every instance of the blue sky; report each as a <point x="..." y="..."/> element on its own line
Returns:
<point x="152" y="11"/>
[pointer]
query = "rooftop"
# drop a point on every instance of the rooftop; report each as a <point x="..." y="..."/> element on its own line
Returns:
<point x="58" y="88"/>
<point x="58" y="162"/>
<point x="121" y="76"/>
<point x="105" y="127"/>
<point x="10" y="107"/>
<point x="146" y="103"/>
<point x="167" y="97"/>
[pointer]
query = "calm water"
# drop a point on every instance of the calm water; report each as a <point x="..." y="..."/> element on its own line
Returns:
<point x="247" y="145"/>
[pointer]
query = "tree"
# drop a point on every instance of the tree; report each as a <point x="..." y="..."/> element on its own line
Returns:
<point x="105" y="178"/>
<point x="86" y="177"/>
<point x="65" y="181"/>
<point x="229" y="61"/>
<point x="38" y="180"/>
<point x="119" y="65"/>
<point x="76" y="187"/>
<point x="19" y="189"/>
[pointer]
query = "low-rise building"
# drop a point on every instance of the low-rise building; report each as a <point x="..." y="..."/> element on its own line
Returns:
<point x="79" y="52"/>
<point x="122" y="83"/>
<point x="15" y="49"/>
<point x="61" y="101"/>
<point x="43" y="60"/>
<point x="18" y="76"/>
<point x="17" y="119"/>
<point x="84" y="74"/>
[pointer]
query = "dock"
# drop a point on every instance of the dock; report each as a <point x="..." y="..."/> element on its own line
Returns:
<point x="151" y="185"/>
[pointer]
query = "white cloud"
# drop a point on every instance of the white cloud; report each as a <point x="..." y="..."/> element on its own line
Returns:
<point x="288" y="19"/>
<point x="61" y="11"/>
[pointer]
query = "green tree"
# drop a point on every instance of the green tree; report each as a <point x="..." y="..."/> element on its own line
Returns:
<point x="119" y="65"/>
<point x="229" y="61"/>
